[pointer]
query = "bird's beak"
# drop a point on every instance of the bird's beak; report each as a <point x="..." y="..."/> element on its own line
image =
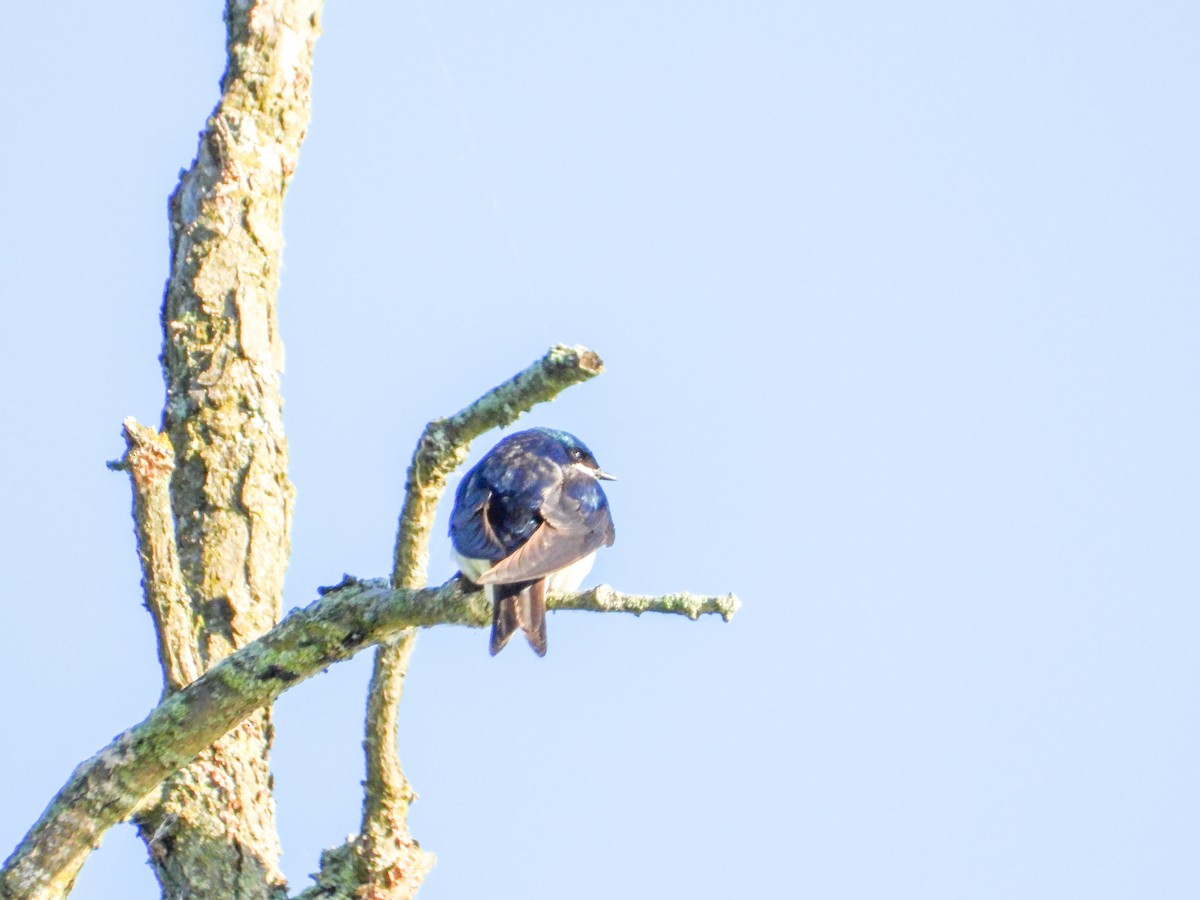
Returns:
<point x="604" y="476"/>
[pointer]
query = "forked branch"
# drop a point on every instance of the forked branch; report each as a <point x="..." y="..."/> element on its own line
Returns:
<point x="390" y="863"/>
<point x="104" y="790"/>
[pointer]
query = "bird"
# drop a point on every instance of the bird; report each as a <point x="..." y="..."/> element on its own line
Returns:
<point x="528" y="519"/>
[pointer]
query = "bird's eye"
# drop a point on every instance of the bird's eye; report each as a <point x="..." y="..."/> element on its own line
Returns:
<point x="577" y="454"/>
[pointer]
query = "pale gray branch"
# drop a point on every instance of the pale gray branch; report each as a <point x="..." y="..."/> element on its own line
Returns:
<point x="104" y="790"/>
<point x="390" y="862"/>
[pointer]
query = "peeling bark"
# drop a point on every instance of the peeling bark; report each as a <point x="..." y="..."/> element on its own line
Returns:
<point x="212" y="831"/>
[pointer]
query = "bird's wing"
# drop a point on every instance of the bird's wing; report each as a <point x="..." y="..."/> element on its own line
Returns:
<point x="575" y="523"/>
<point x="470" y="528"/>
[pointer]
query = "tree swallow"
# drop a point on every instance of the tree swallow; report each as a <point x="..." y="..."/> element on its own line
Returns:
<point x="528" y="519"/>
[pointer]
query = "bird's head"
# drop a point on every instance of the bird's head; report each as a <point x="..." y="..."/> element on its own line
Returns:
<point x="575" y="453"/>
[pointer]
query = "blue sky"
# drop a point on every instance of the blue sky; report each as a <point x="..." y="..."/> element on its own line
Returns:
<point x="899" y="307"/>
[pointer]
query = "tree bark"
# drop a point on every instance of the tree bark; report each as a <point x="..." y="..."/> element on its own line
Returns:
<point x="211" y="832"/>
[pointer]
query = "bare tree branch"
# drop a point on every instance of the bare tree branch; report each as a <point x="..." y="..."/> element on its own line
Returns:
<point x="104" y="790"/>
<point x="150" y="460"/>
<point x="391" y="864"/>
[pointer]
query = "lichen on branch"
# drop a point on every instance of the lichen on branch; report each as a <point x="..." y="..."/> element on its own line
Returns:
<point x="348" y="617"/>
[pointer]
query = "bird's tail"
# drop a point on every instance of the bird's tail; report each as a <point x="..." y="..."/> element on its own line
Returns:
<point x="520" y="605"/>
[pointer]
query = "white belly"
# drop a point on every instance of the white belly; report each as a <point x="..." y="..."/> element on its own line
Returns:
<point x="472" y="568"/>
<point x="571" y="577"/>
<point x="562" y="581"/>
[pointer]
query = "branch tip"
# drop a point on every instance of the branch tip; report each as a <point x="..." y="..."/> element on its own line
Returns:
<point x="729" y="606"/>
